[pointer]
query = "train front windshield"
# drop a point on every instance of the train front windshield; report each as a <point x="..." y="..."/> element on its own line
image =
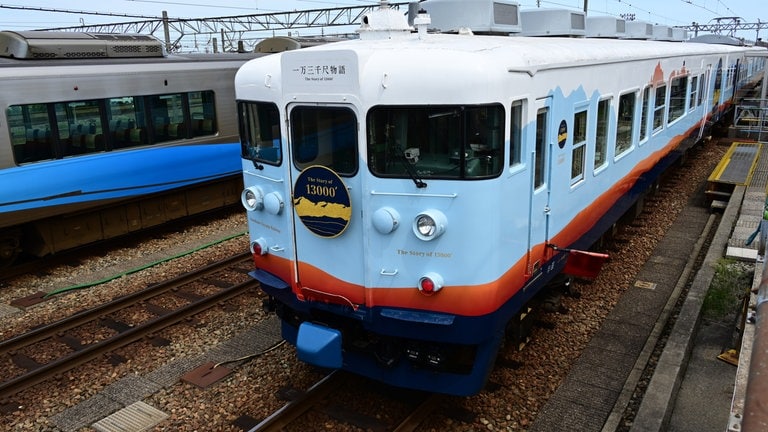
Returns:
<point x="432" y="142"/>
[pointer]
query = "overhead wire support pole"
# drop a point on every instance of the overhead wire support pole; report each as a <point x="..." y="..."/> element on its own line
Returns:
<point x="166" y="32"/>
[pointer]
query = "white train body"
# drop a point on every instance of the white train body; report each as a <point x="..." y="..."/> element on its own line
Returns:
<point x="509" y="144"/>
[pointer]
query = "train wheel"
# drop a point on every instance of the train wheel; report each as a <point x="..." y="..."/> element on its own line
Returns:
<point x="9" y="249"/>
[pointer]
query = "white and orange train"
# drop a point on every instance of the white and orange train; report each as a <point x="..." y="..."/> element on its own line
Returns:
<point x="409" y="193"/>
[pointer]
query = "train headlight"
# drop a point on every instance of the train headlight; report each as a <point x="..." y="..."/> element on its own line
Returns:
<point x="429" y="224"/>
<point x="273" y="203"/>
<point x="259" y="246"/>
<point x="386" y="220"/>
<point x="252" y="198"/>
<point x="430" y="283"/>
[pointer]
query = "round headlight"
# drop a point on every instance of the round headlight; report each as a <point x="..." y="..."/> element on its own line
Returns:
<point x="386" y="220"/>
<point x="425" y="225"/>
<point x="273" y="203"/>
<point x="252" y="198"/>
<point x="429" y="224"/>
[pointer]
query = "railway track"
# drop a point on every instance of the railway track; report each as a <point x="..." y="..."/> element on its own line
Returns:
<point x="321" y="397"/>
<point x="122" y="321"/>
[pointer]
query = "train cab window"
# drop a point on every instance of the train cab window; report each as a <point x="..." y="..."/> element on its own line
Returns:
<point x="202" y="112"/>
<point x="626" y="122"/>
<point x="659" y="104"/>
<point x="693" y="96"/>
<point x="447" y="142"/>
<point x="677" y="97"/>
<point x="260" y="132"/>
<point x="324" y="135"/>
<point x="579" y="146"/>
<point x="601" y="138"/>
<point x="646" y="108"/>
<point x="30" y="130"/>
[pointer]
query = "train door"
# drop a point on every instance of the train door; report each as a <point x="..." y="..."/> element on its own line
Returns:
<point x="326" y="202"/>
<point x="538" y="217"/>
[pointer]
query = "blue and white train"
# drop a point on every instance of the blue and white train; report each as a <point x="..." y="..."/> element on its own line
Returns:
<point x="409" y="193"/>
<point x="102" y="135"/>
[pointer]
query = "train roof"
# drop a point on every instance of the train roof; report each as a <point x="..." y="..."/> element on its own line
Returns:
<point x="50" y="48"/>
<point x="384" y="36"/>
<point x="168" y="59"/>
<point x="67" y="45"/>
<point x="524" y="53"/>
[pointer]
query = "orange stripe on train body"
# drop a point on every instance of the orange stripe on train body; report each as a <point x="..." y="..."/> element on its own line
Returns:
<point x="466" y="300"/>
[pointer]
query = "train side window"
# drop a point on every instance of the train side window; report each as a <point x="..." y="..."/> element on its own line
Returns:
<point x="260" y="132"/>
<point x="677" y="97"/>
<point x="515" y="133"/>
<point x="718" y="83"/>
<point x="579" y="146"/>
<point x="601" y="138"/>
<point x="693" y="96"/>
<point x="166" y="112"/>
<point x="646" y="108"/>
<point x="202" y="112"/>
<point x="324" y="135"/>
<point x="702" y="89"/>
<point x="626" y="122"/>
<point x="540" y="156"/>
<point x="659" y="104"/>
<point x="80" y="127"/>
<point x="127" y="117"/>
<point x="121" y="117"/>
<point x="30" y="130"/>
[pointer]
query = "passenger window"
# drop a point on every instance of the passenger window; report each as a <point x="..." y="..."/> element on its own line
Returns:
<point x="541" y="148"/>
<point x="80" y="127"/>
<point x="127" y="123"/>
<point x="30" y="131"/>
<point x="601" y="140"/>
<point x="644" y="114"/>
<point x="625" y="123"/>
<point x="515" y="133"/>
<point x="121" y="115"/>
<point x="694" y="95"/>
<point x="202" y="111"/>
<point x="659" y="105"/>
<point x="579" y="146"/>
<point x="166" y="112"/>
<point x="677" y="97"/>
<point x="260" y="132"/>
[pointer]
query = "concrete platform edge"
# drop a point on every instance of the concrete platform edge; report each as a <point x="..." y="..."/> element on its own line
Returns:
<point x="655" y="410"/>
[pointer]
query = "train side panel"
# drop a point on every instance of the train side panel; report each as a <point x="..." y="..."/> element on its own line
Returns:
<point x="477" y="162"/>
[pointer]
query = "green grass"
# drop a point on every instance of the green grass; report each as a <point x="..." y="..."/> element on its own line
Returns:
<point x="731" y="283"/>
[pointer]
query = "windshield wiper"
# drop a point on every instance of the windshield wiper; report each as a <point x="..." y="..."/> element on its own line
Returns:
<point x="408" y="167"/>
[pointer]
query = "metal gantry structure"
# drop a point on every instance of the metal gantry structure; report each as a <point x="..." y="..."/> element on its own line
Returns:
<point x="237" y="32"/>
<point x="728" y="26"/>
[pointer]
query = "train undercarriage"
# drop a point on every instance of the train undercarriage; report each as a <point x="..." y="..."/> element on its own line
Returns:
<point x="51" y="235"/>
